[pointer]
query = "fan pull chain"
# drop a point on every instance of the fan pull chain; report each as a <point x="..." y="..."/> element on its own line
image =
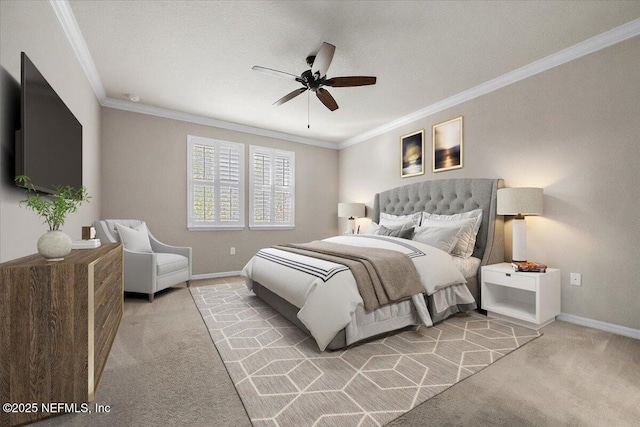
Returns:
<point x="308" y="104"/>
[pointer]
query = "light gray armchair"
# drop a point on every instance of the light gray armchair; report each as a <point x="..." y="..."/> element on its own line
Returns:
<point x="144" y="272"/>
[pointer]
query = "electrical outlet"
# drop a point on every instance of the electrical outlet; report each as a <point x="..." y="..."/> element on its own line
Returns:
<point x="232" y="251"/>
<point x="575" y="279"/>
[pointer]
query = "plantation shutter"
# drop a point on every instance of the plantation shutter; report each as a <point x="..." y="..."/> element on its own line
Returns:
<point x="261" y="194"/>
<point x="216" y="184"/>
<point x="203" y="173"/>
<point x="272" y="188"/>
<point x="229" y="162"/>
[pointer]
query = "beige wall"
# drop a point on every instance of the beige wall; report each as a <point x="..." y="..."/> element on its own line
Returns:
<point x="32" y="27"/>
<point x="144" y="164"/>
<point x="573" y="130"/>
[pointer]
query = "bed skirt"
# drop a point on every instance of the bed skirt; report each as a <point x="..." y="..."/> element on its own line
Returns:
<point x="372" y="324"/>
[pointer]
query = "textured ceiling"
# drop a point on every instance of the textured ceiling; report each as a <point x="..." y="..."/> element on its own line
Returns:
<point x="196" y="56"/>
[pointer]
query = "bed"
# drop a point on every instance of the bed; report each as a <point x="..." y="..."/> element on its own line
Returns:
<point x="305" y="291"/>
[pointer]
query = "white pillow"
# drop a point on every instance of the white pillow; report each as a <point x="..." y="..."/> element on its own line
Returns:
<point x="466" y="241"/>
<point x="135" y="239"/>
<point x="395" y="222"/>
<point x="443" y="238"/>
<point x="373" y="228"/>
<point x="476" y="213"/>
<point x="466" y="237"/>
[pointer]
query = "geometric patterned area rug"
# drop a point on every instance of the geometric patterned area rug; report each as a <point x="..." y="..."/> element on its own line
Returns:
<point x="283" y="378"/>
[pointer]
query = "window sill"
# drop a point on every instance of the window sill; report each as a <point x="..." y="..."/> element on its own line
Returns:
<point x="214" y="228"/>
<point x="272" y="227"/>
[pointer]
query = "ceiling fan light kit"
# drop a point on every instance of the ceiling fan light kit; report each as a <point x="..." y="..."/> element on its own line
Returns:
<point x="316" y="77"/>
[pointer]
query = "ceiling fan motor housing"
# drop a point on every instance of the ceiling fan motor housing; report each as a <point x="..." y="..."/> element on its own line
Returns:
<point x="312" y="82"/>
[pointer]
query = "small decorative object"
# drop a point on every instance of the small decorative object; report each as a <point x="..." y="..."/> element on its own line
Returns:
<point x="529" y="266"/>
<point x="54" y="244"/>
<point x="88" y="233"/>
<point x="86" y="244"/>
<point x="447" y="145"/>
<point x="412" y="154"/>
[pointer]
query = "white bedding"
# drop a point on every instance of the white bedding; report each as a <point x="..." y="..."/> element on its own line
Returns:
<point x="326" y="293"/>
<point x="467" y="266"/>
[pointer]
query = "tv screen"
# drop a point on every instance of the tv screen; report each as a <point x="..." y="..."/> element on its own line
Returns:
<point x="49" y="143"/>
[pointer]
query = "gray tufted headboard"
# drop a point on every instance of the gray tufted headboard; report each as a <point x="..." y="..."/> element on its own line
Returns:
<point x="450" y="196"/>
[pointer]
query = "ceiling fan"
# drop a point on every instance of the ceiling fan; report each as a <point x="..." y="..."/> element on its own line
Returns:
<point x="315" y="78"/>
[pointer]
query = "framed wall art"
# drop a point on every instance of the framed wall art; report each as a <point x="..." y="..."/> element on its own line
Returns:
<point x="447" y="145"/>
<point x="412" y="154"/>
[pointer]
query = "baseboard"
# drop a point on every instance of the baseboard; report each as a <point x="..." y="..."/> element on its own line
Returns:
<point x="214" y="275"/>
<point x="603" y="326"/>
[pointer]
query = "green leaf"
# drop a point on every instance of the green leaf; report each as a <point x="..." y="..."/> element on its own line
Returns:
<point x="53" y="208"/>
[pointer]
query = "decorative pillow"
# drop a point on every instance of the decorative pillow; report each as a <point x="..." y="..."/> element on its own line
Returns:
<point x="397" y="221"/>
<point x="464" y="229"/>
<point x="373" y="229"/>
<point x="464" y="247"/>
<point x="403" y="233"/>
<point x="135" y="239"/>
<point x="443" y="238"/>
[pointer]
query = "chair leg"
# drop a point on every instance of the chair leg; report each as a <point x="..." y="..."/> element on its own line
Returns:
<point x="150" y="297"/>
<point x="188" y="284"/>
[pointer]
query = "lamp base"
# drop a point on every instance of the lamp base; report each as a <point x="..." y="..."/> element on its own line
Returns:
<point x="519" y="248"/>
<point x="352" y="225"/>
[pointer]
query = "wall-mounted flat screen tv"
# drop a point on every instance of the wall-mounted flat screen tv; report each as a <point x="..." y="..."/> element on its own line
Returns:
<point x="49" y="143"/>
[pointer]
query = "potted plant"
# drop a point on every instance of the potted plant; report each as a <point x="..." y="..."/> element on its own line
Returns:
<point x="54" y="244"/>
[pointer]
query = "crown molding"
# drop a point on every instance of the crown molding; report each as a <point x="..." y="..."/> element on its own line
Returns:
<point x="208" y="121"/>
<point x="71" y="29"/>
<point x="601" y="41"/>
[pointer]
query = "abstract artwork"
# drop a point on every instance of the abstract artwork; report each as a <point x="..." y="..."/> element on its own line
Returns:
<point x="447" y="145"/>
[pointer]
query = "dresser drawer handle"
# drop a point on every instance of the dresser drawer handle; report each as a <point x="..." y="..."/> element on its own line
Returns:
<point x="508" y="274"/>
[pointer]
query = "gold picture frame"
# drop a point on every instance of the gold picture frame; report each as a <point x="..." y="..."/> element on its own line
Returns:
<point x="412" y="154"/>
<point x="447" y="145"/>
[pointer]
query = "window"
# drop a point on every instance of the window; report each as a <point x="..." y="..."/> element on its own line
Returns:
<point x="271" y="188"/>
<point x="215" y="184"/>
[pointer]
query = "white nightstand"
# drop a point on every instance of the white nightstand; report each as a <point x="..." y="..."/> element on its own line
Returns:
<point x="526" y="299"/>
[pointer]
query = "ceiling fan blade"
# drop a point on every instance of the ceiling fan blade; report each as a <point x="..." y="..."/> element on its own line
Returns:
<point x="288" y="76"/>
<point x="350" y="81"/>
<point x="323" y="59"/>
<point x="325" y="97"/>
<point x="289" y="96"/>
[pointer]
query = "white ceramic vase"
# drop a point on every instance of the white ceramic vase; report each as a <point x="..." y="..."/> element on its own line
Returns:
<point x="54" y="245"/>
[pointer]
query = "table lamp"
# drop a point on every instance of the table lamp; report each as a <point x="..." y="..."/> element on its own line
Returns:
<point x="519" y="202"/>
<point x="351" y="211"/>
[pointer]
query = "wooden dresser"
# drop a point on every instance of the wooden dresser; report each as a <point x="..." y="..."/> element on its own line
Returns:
<point x="58" y="321"/>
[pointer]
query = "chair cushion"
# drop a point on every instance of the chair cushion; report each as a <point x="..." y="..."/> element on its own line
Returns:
<point x="135" y="239"/>
<point x="111" y="226"/>
<point x="170" y="263"/>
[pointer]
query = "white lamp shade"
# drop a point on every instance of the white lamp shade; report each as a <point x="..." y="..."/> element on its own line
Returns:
<point x="348" y="210"/>
<point x="519" y="201"/>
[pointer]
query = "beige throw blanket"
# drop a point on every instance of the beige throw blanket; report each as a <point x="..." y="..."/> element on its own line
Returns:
<point x="382" y="276"/>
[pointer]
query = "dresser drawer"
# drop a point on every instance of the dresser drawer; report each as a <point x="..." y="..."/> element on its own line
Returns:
<point x="510" y="280"/>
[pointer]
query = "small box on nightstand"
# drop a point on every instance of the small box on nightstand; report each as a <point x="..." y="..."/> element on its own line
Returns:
<point x="526" y="299"/>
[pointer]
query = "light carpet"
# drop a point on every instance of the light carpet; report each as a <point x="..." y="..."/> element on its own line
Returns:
<point x="283" y="378"/>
